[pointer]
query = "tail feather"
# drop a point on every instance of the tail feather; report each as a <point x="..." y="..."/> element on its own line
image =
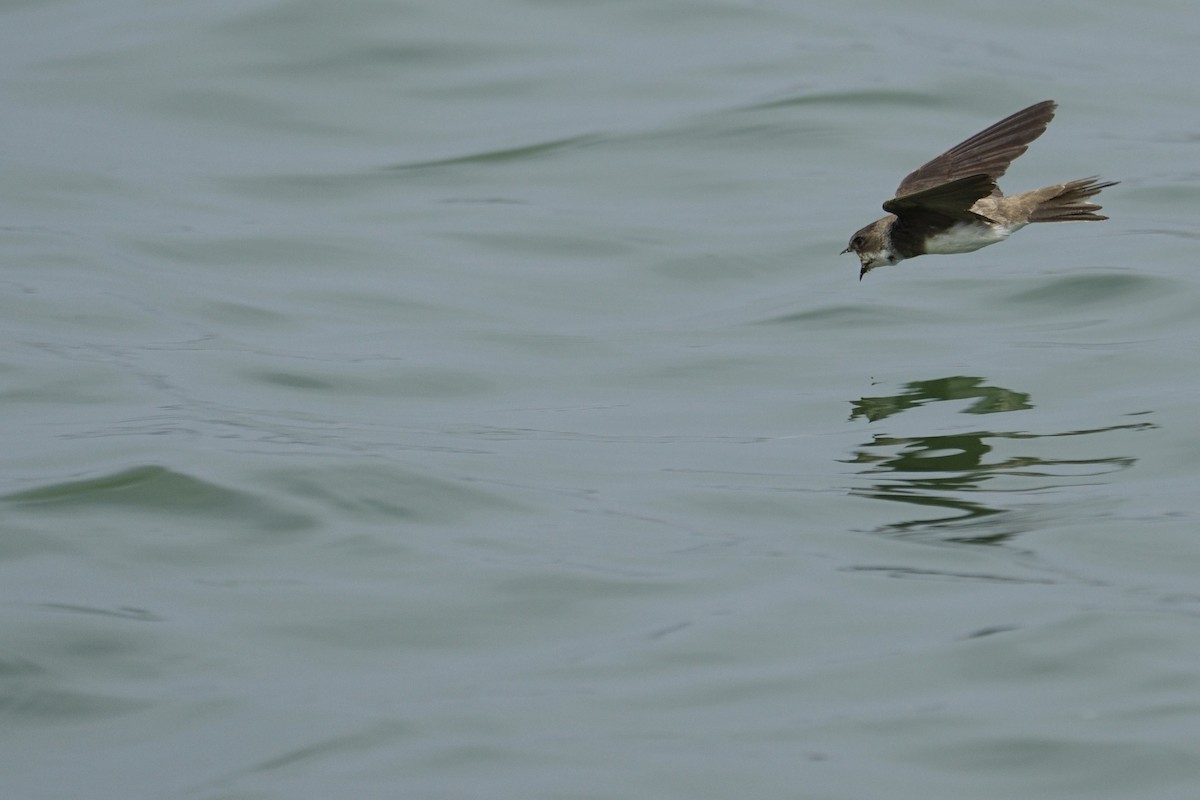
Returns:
<point x="1068" y="202"/>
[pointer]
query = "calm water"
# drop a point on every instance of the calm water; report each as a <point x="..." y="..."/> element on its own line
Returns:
<point x="466" y="400"/>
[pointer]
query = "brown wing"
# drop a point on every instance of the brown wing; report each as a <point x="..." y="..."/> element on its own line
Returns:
<point x="988" y="152"/>
<point x="951" y="200"/>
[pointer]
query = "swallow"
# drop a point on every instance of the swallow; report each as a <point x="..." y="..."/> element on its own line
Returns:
<point x="953" y="205"/>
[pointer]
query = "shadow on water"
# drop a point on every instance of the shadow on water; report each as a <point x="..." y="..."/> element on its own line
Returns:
<point x="957" y="476"/>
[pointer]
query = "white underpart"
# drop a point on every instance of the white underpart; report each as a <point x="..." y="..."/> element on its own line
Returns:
<point x="879" y="258"/>
<point x="962" y="239"/>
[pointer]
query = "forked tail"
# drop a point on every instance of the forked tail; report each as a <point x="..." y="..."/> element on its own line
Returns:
<point x="1068" y="202"/>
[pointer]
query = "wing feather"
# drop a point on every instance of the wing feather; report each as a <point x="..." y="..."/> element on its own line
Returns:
<point x="952" y="200"/>
<point x="988" y="152"/>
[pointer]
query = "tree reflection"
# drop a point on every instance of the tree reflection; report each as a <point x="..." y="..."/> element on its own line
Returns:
<point x="989" y="399"/>
<point x="958" y="475"/>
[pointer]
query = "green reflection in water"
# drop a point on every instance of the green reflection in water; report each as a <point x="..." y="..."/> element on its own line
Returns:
<point x="950" y="472"/>
<point x="989" y="399"/>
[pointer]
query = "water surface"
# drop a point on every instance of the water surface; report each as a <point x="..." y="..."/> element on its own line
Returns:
<point x="444" y="400"/>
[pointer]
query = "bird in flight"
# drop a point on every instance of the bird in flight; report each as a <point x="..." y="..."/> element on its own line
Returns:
<point x="953" y="205"/>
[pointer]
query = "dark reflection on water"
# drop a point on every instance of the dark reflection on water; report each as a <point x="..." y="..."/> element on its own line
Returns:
<point x="953" y="476"/>
<point x="989" y="399"/>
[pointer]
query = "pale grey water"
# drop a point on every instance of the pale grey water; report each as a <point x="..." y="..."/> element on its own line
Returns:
<point x="454" y="400"/>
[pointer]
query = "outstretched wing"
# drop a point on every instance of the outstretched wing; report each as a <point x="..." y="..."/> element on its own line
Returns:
<point x="988" y="152"/>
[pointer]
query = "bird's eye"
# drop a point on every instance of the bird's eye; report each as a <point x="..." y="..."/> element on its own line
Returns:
<point x="856" y="242"/>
